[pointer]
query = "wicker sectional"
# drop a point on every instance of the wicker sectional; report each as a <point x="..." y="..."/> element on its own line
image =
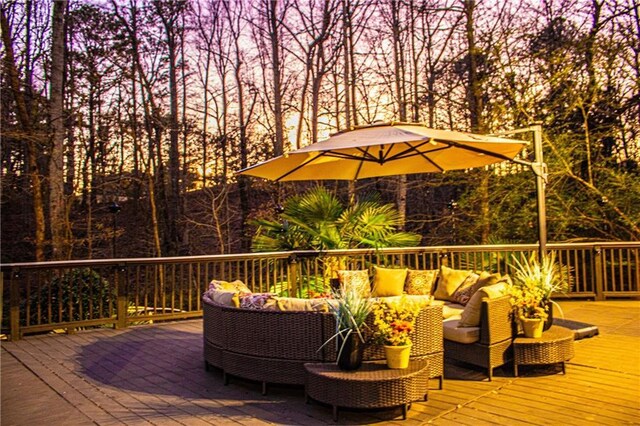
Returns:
<point x="273" y="346"/>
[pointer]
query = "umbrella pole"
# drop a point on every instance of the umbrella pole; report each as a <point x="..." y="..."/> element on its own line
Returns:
<point x="540" y="170"/>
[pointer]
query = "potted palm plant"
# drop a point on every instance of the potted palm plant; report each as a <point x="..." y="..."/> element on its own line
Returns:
<point x="534" y="283"/>
<point x="318" y="220"/>
<point x="350" y="310"/>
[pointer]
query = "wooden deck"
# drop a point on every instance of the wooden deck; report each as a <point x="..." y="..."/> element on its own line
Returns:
<point x="154" y="374"/>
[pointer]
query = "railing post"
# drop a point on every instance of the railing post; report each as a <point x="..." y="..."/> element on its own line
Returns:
<point x="293" y="275"/>
<point x="444" y="257"/>
<point x="121" y="301"/>
<point x="14" y="306"/>
<point x="598" y="266"/>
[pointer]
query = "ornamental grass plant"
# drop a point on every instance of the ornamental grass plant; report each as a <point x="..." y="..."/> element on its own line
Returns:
<point x="534" y="282"/>
<point x="350" y="309"/>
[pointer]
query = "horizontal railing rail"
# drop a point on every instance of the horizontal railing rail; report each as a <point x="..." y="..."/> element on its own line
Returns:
<point x="70" y="295"/>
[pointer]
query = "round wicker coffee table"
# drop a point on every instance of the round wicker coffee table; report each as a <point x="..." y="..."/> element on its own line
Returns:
<point x="374" y="385"/>
<point x="555" y="346"/>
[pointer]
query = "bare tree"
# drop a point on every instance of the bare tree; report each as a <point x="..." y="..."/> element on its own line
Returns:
<point x="170" y="14"/>
<point x="29" y="134"/>
<point x="58" y="218"/>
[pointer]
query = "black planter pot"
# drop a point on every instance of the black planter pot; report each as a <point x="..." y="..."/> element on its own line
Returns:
<point x="335" y="283"/>
<point x="351" y="356"/>
<point x="549" y="321"/>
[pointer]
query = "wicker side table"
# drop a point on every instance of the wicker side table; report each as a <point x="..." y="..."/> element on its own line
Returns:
<point x="555" y="346"/>
<point x="374" y="385"/>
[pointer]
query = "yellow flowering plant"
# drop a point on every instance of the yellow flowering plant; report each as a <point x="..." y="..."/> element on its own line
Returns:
<point x="394" y="321"/>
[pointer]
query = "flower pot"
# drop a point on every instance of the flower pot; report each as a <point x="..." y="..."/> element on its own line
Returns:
<point x="532" y="327"/>
<point x="397" y="356"/>
<point x="549" y="321"/>
<point x="350" y="352"/>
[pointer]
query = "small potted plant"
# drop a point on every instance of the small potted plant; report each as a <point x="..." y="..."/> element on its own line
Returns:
<point x="393" y="323"/>
<point x="350" y="309"/>
<point x="534" y="282"/>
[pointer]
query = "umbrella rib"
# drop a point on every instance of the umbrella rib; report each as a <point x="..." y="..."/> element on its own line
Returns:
<point x="457" y="145"/>
<point x="479" y="150"/>
<point x="415" y="150"/>
<point x="301" y="165"/>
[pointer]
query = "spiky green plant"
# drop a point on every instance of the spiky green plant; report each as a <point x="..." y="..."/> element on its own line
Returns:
<point x="350" y="309"/>
<point x="534" y="282"/>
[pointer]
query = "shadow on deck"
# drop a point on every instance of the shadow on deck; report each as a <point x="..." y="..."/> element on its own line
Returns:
<point x="155" y="374"/>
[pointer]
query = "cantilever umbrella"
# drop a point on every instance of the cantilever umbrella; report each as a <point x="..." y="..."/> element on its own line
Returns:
<point x="386" y="150"/>
<point x="403" y="148"/>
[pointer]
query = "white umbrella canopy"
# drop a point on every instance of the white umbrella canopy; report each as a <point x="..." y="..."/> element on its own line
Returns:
<point x="386" y="150"/>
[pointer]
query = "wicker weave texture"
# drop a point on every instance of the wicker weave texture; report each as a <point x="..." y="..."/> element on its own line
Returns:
<point x="269" y="370"/>
<point x="496" y="323"/>
<point x="272" y="346"/>
<point x="555" y="345"/>
<point x="496" y="335"/>
<point x="278" y="335"/>
<point x="372" y="386"/>
<point x="426" y="339"/>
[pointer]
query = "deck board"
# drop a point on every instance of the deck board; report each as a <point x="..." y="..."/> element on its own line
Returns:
<point x="154" y="374"/>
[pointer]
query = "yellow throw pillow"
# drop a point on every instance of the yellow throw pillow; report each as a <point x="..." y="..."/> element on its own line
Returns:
<point x="236" y="285"/>
<point x="217" y="284"/>
<point x="420" y="281"/>
<point x="388" y="282"/>
<point x="355" y="279"/>
<point x="448" y="282"/>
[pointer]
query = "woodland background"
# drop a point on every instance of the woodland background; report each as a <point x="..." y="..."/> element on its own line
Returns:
<point x="155" y="104"/>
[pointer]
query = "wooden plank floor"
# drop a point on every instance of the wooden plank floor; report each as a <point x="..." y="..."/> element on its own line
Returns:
<point x="154" y="374"/>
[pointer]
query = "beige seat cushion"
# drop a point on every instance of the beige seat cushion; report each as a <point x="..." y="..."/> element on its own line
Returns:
<point x="422" y="299"/>
<point x="451" y="310"/>
<point x="452" y="331"/>
<point x="297" y="304"/>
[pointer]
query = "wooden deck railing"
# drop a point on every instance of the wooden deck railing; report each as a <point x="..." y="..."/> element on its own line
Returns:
<point x="45" y="296"/>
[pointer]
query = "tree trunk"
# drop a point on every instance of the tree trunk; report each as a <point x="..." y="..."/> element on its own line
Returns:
<point x="399" y="70"/>
<point x="33" y="150"/>
<point x="57" y="212"/>
<point x="274" y="34"/>
<point x="474" y="98"/>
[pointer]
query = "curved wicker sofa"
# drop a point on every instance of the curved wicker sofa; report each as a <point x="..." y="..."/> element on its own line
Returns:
<point x="273" y="346"/>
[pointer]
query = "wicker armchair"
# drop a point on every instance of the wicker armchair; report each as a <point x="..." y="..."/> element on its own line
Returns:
<point x="494" y="348"/>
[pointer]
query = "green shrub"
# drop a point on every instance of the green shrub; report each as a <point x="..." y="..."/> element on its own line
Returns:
<point x="80" y="294"/>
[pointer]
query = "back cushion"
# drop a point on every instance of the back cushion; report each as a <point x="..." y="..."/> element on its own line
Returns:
<point x="236" y="285"/>
<point x="420" y="281"/>
<point x="388" y="282"/>
<point x="356" y="279"/>
<point x="449" y="281"/>
<point x="471" y="314"/>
